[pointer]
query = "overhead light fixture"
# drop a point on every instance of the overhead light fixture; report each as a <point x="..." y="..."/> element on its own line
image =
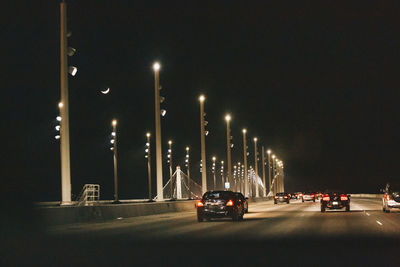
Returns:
<point x="162" y="99"/>
<point x="163" y="112"/>
<point x="71" y="51"/>
<point x="206" y="133"/>
<point x="72" y="70"/>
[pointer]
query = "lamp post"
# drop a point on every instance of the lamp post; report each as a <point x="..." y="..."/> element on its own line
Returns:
<point x="170" y="167"/>
<point x="222" y="176"/>
<point x="273" y="174"/>
<point x="256" y="166"/>
<point x="203" y="146"/>
<point x="263" y="171"/>
<point x="64" y="110"/>
<point x="116" y="199"/>
<point x="269" y="169"/>
<point x="228" y="148"/>
<point x="156" y="68"/>
<point x="246" y="184"/>
<point x="148" y="155"/>
<point x="187" y="163"/>
<point x="239" y="178"/>
<point x="213" y="171"/>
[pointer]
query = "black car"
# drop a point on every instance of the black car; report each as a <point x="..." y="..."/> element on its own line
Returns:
<point x="281" y="197"/>
<point x="335" y="200"/>
<point x="245" y="201"/>
<point x="219" y="204"/>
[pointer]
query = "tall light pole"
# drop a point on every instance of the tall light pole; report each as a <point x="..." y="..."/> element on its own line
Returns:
<point x="273" y="174"/>
<point x="160" y="196"/>
<point x="222" y="176"/>
<point x="269" y="169"/>
<point x="187" y="161"/>
<point x="170" y="167"/>
<point x="228" y="148"/>
<point x="114" y="125"/>
<point x="256" y="165"/>
<point x="203" y="147"/>
<point x="263" y="171"/>
<point x="148" y="155"/>
<point x="213" y="171"/>
<point x="239" y="178"/>
<point x="64" y="111"/>
<point x="246" y="180"/>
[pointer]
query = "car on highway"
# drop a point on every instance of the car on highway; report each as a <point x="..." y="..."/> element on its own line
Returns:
<point x="308" y="196"/>
<point x="293" y="196"/>
<point x="298" y="195"/>
<point x="335" y="200"/>
<point x="245" y="201"/>
<point x="220" y="204"/>
<point x="281" y="197"/>
<point x="391" y="198"/>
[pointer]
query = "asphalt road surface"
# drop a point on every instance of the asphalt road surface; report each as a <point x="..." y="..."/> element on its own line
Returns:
<point x="284" y="234"/>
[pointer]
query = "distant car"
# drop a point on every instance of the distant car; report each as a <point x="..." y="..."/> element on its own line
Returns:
<point x="293" y="196"/>
<point x="281" y="197"/>
<point x="335" y="200"/>
<point x="245" y="201"/>
<point x="308" y="196"/>
<point x="298" y="195"/>
<point x="219" y="204"/>
<point x="391" y="198"/>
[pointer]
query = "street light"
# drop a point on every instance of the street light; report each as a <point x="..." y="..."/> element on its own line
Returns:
<point x="114" y="142"/>
<point x="246" y="185"/>
<point x="203" y="146"/>
<point x="213" y="171"/>
<point x="263" y="171"/>
<point x="256" y="166"/>
<point x="187" y="164"/>
<point x="156" y="68"/>
<point x="170" y="167"/>
<point x="228" y="148"/>
<point x="148" y="156"/>
<point x="222" y="175"/>
<point x="269" y="169"/>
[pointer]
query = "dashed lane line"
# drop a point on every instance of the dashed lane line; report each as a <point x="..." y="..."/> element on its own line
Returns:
<point x="378" y="222"/>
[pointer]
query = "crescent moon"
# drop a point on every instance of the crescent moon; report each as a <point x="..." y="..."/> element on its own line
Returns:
<point x="106" y="91"/>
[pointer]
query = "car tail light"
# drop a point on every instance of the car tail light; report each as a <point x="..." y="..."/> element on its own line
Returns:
<point x="229" y="203"/>
<point x="312" y="195"/>
<point x="389" y="197"/>
<point x="326" y="198"/>
<point x="343" y="197"/>
<point x="285" y="197"/>
<point x="200" y="204"/>
<point x="276" y="197"/>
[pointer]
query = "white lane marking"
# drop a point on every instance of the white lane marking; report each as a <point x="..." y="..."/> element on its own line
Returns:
<point x="378" y="222"/>
<point x="367" y="213"/>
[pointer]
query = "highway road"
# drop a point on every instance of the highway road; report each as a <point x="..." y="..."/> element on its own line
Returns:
<point x="289" y="234"/>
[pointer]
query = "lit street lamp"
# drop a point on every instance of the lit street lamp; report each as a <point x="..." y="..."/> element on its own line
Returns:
<point x="187" y="164"/>
<point x="114" y="142"/>
<point x="222" y="176"/>
<point x="203" y="146"/>
<point x="269" y="169"/>
<point x="256" y="166"/>
<point x="246" y="185"/>
<point x="170" y="167"/>
<point x="160" y="196"/>
<point x="148" y="156"/>
<point x="228" y="148"/>
<point x="213" y="171"/>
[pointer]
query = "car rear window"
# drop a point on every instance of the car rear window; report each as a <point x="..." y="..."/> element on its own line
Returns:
<point x="218" y="195"/>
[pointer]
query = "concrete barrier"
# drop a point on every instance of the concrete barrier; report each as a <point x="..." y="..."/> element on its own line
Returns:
<point x="366" y="195"/>
<point x="57" y="215"/>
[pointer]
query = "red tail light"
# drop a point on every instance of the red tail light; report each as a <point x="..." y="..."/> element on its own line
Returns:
<point x="312" y="195"/>
<point x="276" y="197"/>
<point x="285" y="197"/>
<point x="343" y="197"/>
<point x="389" y="197"/>
<point x="326" y="198"/>
<point x="229" y="203"/>
<point x="199" y="204"/>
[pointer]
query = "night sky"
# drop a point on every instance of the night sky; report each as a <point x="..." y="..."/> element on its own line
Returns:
<point x="317" y="82"/>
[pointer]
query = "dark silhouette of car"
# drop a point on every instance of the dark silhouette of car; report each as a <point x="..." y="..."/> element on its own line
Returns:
<point x="245" y="201"/>
<point x="220" y="204"/>
<point x="391" y="198"/>
<point x="281" y="197"/>
<point x="335" y="200"/>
